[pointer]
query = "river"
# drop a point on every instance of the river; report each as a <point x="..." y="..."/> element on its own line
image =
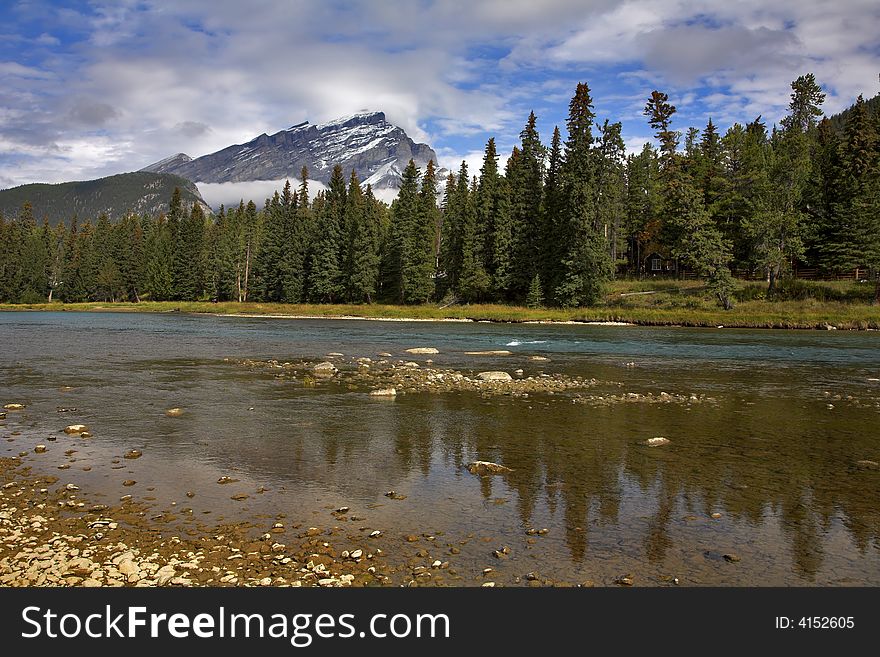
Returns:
<point x="770" y="475"/>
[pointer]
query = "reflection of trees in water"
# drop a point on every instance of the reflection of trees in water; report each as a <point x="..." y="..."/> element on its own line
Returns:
<point x="744" y="463"/>
<point x="750" y="463"/>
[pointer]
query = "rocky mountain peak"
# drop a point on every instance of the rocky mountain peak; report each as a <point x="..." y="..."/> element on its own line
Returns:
<point x="364" y="141"/>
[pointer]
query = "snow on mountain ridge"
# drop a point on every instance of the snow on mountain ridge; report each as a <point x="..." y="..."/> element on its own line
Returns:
<point x="365" y="142"/>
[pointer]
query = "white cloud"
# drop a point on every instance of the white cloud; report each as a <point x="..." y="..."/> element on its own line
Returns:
<point x="229" y="194"/>
<point x="152" y="78"/>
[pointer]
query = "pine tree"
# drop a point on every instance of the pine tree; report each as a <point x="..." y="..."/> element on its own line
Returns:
<point x="659" y="112"/>
<point x="610" y="187"/>
<point x="421" y="259"/>
<point x="474" y="281"/>
<point x="586" y="266"/>
<point x="298" y="252"/>
<point x="503" y="247"/>
<point x="700" y="244"/>
<point x="55" y="240"/>
<point x="854" y="238"/>
<point x="458" y="205"/>
<point x="326" y="269"/>
<point x="89" y="262"/>
<point x="805" y="107"/>
<point x="642" y="225"/>
<point x="6" y="260"/>
<point x="30" y="283"/>
<point x="353" y="215"/>
<point x="449" y="229"/>
<point x="159" y="268"/>
<point x="365" y="250"/>
<point x="188" y="257"/>
<point x="268" y="273"/>
<point x="535" y="295"/>
<point x="776" y="225"/>
<point x="485" y="201"/>
<point x="526" y="192"/>
<point x="553" y="247"/>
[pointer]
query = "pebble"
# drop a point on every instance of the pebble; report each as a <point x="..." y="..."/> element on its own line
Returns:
<point x="384" y="392"/>
<point x="133" y="454"/>
<point x="174" y="412"/>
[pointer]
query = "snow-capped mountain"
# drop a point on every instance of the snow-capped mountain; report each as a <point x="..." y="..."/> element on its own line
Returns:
<point x="365" y="142"/>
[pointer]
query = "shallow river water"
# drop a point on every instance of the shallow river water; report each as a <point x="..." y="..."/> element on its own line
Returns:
<point x="775" y="467"/>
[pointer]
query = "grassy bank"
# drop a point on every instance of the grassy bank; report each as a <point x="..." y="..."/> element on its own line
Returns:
<point x="792" y="315"/>
<point x="649" y="303"/>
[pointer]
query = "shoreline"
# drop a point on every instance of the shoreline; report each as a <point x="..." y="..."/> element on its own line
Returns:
<point x="758" y="315"/>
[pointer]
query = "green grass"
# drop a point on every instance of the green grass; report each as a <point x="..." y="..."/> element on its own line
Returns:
<point x="672" y="303"/>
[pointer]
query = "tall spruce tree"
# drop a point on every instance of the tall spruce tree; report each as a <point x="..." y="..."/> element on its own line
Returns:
<point x="326" y="269"/>
<point x="586" y="266"/>
<point x="526" y="183"/>
<point x="553" y="246"/>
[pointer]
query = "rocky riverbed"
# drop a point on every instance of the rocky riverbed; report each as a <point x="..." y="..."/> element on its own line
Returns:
<point x="51" y="534"/>
<point x="410" y="377"/>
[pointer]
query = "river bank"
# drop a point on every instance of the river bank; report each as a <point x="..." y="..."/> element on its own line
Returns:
<point x="808" y="314"/>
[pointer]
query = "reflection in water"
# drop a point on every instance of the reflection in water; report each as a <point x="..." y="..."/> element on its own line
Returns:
<point x="774" y="456"/>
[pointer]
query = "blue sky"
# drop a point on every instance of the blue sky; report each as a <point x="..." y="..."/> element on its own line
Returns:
<point x="95" y="88"/>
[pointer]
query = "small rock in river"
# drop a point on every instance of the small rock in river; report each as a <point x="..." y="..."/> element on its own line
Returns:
<point x="14" y="407"/>
<point x="496" y="352"/>
<point x="384" y="392"/>
<point x="324" y="370"/>
<point x="133" y="454"/>
<point x="626" y="580"/>
<point x="39" y="449"/>
<point x="422" y="350"/>
<point x="240" y="496"/>
<point x="494" y="376"/>
<point x="226" y="480"/>
<point x="75" y="428"/>
<point x="174" y="412"/>
<point x="129" y="482"/>
<point x="484" y="468"/>
<point x="657" y="442"/>
<point x="868" y="464"/>
<point x="732" y="558"/>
